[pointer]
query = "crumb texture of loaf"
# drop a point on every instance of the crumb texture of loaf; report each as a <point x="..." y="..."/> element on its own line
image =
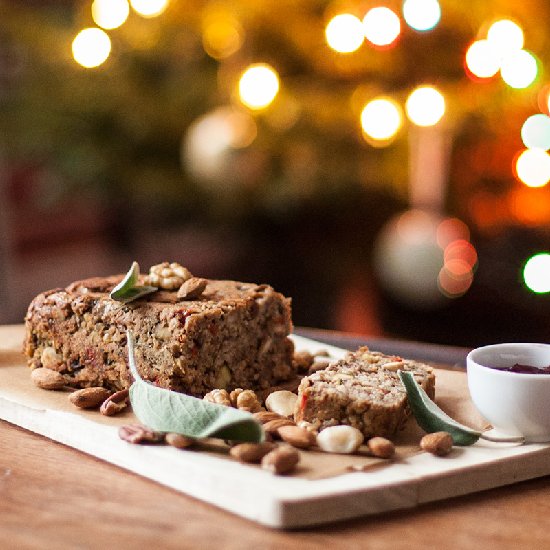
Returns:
<point x="362" y="390"/>
<point x="234" y="335"/>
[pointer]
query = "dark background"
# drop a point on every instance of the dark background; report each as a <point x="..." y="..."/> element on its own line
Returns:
<point x="92" y="174"/>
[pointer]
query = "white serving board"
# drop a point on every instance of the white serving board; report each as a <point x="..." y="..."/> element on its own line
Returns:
<point x="276" y="501"/>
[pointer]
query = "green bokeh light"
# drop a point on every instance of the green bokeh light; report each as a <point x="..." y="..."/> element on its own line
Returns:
<point x="536" y="273"/>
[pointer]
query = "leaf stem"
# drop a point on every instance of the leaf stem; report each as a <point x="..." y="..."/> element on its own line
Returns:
<point x="131" y="355"/>
<point x="504" y="439"/>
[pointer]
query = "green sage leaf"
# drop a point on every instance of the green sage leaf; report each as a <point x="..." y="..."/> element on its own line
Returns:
<point x="430" y="417"/>
<point x="169" y="411"/>
<point x="128" y="289"/>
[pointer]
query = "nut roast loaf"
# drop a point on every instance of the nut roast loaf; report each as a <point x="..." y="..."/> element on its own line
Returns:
<point x="232" y="335"/>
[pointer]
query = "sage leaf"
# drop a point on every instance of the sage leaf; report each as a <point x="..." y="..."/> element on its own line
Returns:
<point x="128" y="289"/>
<point x="165" y="410"/>
<point x="430" y="417"/>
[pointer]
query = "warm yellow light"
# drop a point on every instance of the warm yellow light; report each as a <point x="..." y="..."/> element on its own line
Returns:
<point x="258" y="86"/>
<point x="425" y="106"/>
<point x="344" y="33"/>
<point x="381" y="119"/>
<point x="91" y="47"/>
<point x="519" y="69"/>
<point x="382" y="26"/>
<point x="505" y="36"/>
<point x="149" y="8"/>
<point x="533" y="167"/>
<point x="110" y="14"/>
<point x="482" y="59"/>
<point x="535" y="132"/>
<point x="222" y="36"/>
<point x="422" y="15"/>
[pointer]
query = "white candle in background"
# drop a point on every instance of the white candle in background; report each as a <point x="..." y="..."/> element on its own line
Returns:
<point x="429" y="149"/>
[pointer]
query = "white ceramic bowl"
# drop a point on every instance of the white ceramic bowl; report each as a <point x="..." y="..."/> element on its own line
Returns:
<point x="514" y="403"/>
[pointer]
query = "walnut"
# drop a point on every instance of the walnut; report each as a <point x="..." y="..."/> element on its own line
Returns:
<point x="245" y="399"/>
<point x="169" y="276"/>
<point x="221" y="397"/>
<point x="234" y="395"/>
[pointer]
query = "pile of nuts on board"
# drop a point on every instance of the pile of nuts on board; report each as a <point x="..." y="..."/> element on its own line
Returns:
<point x="279" y="452"/>
<point x="96" y="397"/>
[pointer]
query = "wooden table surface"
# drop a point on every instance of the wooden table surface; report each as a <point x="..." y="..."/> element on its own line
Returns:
<point x="52" y="496"/>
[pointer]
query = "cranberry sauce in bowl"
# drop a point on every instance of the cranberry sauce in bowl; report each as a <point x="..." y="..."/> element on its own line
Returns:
<point x="509" y="387"/>
<point x="524" y="369"/>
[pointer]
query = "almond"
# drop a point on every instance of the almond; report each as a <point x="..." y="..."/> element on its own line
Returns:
<point x="251" y="452"/>
<point x="89" y="398"/>
<point x="47" y="379"/>
<point x="297" y="437"/>
<point x="192" y="288"/>
<point x="179" y="441"/>
<point x="272" y="427"/>
<point x="281" y="402"/>
<point x="437" y="443"/>
<point x="265" y="416"/>
<point x="381" y="447"/>
<point x="281" y="460"/>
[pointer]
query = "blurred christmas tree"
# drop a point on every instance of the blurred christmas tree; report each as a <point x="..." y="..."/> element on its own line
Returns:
<point x="294" y="121"/>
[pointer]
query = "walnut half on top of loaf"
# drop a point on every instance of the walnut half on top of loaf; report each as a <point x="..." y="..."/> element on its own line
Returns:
<point x="362" y="390"/>
<point x="228" y="335"/>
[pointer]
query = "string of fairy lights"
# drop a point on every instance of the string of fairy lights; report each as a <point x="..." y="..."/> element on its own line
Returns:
<point x="497" y="51"/>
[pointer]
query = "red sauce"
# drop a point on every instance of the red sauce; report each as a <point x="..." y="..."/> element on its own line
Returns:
<point x="525" y="369"/>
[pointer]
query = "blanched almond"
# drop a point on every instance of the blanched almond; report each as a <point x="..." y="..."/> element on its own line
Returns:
<point x="281" y="402"/>
<point x="340" y="439"/>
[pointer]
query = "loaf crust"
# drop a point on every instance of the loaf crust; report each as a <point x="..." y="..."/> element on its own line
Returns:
<point x="234" y="335"/>
<point x="362" y="390"/>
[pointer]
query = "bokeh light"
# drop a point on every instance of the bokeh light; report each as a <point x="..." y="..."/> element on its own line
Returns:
<point x="422" y="15"/>
<point x="258" y="86"/>
<point x="482" y="59"/>
<point x="519" y="69"/>
<point x="532" y="167"/>
<point x="408" y="259"/>
<point x="536" y="273"/>
<point x="505" y="36"/>
<point x="530" y="206"/>
<point x="91" y="47"/>
<point x="222" y="35"/>
<point x="212" y="138"/>
<point x="461" y="250"/>
<point x="535" y="132"/>
<point x="455" y="278"/>
<point x="459" y="258"/>
<point x="381" y="119"/>
<point x="344" y="33"/>
<point x="381" y="26"/>
<point x="149" y="8"/>
<point x="110" y="14"/>
<point x="425" y="106"/>
<point x="450" y="230"/>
